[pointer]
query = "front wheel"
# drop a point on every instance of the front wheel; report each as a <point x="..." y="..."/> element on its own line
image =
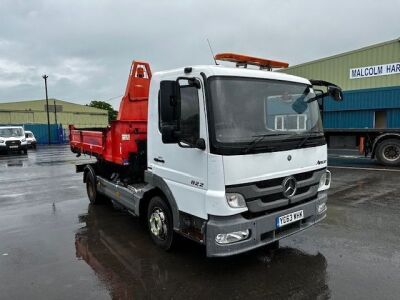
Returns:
<point x="160" y="223"/>
<point x="388" y="152"/>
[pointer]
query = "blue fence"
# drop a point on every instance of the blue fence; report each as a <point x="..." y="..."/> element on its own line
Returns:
<point x="57" y="132"/>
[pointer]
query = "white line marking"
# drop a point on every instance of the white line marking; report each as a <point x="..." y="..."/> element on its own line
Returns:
<point x="358" y="168"/>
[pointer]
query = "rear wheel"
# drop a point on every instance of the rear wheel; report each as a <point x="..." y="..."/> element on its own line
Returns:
<point x="388" y="152"/>
<point x="159" y="221"/>
<point x="93" y="195"/>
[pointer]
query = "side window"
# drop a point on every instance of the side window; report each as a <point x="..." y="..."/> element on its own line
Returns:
<point x="190" y="120"/>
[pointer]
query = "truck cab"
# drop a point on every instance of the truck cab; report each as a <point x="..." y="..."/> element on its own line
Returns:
<point x="235" y="158"/>
<point x="241" y="157"/>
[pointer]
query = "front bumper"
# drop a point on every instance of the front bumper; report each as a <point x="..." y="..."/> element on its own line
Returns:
<point x="263" y="229"/>
<point x="31" y="144"/>
<point x="16" y="147"/>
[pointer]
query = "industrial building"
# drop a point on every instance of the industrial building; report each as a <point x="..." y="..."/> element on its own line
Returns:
<point x="33" y="116"/>
<point x="370" y="78"/>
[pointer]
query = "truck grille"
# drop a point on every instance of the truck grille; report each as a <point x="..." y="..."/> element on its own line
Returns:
<point x="267" y="195"/>
<point x="13" y="143"/>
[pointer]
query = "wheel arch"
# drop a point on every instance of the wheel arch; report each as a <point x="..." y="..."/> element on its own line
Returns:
<point x="86" y="170"/>
<point x="160" y="188"/>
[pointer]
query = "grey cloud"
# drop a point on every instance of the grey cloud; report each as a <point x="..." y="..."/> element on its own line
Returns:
<point x="86" y="46"/>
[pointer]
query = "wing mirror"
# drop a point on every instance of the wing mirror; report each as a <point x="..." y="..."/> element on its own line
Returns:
<point x="299" y="105"/>
<point x="335" y="92"/>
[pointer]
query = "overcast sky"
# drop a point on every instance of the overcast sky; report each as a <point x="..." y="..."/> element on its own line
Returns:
<point x="86" y="47"/>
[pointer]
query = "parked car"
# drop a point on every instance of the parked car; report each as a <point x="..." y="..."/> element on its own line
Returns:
<point x="30" y="139"/>
<point x="12" y="139"/>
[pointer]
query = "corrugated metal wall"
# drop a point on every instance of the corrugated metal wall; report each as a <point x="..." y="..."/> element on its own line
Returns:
<point x="349" y="119"/>
<point x="378" y="98"/>
<point x="393" y="118"/>
<point x="359" y="107"/>
<point x="336" y="68"/>
<point x="25" y="112"/>
<point x="363" y="97"/>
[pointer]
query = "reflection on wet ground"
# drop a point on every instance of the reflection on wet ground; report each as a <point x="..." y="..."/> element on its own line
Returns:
<point x="53" y="245"/>
<point x="120" y="252"/>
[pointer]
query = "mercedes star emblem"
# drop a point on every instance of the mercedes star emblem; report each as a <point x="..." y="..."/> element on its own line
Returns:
<point x="289" y="187"/>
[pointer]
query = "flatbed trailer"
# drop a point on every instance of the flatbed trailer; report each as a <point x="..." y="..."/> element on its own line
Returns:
<point x="380" y="143"/>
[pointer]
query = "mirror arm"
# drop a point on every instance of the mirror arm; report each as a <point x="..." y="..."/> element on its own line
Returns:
<point x="320" y="96"/>
<point x="322" y="83"/>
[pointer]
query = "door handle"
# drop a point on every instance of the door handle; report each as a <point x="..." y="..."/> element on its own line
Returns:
<point x="158" y="159"/>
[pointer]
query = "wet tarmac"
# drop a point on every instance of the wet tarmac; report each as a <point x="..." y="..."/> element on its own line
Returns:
<point x="53" y="245"/>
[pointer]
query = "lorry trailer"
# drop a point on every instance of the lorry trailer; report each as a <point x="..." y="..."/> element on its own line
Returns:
<point x="232" y="158"/>
<point x="382" y="144"/>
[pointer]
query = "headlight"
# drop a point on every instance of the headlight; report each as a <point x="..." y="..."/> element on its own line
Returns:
<point x="325" y="181"/>
<point x="23" y="140"/>
<point x="235" y="200"/>
<point x="232" y="237"/>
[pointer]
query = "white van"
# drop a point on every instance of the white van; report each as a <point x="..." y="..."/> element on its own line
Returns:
<point x="12" y="139"/>
<point x="30" y="139"/>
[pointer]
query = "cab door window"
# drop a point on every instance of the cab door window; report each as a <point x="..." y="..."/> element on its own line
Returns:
<point x="189" y="120"/>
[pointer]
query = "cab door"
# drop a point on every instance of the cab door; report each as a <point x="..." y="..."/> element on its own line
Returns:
<point x="181" y="162"/>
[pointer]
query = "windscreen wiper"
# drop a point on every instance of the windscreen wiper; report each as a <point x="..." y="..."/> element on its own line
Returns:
<point x="259" y="138"/>
<point x="305" y="139"/>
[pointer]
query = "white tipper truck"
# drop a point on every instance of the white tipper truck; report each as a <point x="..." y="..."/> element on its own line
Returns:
<point x="232" y="158"/>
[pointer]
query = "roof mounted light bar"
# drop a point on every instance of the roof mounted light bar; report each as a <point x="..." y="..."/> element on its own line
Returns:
<point x="244" y="60"/>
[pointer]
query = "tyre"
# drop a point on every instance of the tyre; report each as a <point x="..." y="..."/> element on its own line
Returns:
<point x="25" y="151"/>
<point x="160" y="223"/>
<point x="94" y="196"/>
<point x="388" y="152"/>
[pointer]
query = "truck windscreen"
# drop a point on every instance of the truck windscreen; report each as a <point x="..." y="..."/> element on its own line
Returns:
<point x="244" y="108"/>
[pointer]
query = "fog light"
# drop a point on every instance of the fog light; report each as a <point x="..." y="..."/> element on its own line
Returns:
<point x="321" y="208"/>
<point x="325" y="181"/>
<point x="232" y="237"/>
<point x="235" y="200"/>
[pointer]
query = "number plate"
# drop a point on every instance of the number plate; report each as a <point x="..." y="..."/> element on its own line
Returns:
<point x="289" y="218"/>
<point x="13" y="147"/>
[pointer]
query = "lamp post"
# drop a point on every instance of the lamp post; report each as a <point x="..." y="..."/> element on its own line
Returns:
<point x="55" y="112"/>
<point x="47" y="108"/>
